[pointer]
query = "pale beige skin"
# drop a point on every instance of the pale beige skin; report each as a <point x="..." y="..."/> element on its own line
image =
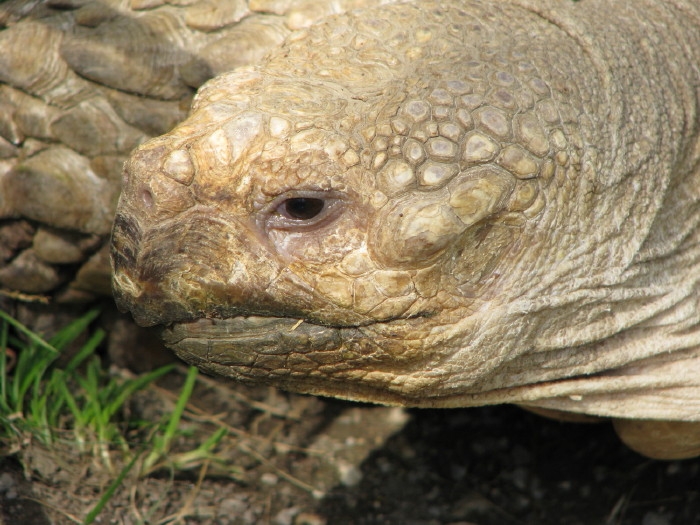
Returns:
<point x="510" y="213"/>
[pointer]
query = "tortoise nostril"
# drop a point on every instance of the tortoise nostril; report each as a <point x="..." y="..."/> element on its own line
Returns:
<point x="147" y="198"/>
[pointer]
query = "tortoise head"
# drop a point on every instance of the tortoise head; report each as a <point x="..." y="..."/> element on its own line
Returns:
<point x="321" y="247"/>
<point x="396" y="220"/>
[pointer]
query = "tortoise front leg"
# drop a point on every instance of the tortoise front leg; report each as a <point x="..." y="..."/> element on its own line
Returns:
<point x="660" y="439"/>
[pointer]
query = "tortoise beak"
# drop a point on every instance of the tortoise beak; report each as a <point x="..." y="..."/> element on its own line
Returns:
<point x="146" y="301"/>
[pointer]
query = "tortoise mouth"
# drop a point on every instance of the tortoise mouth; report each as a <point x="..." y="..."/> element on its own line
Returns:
<point x="293" y="354"/>
<point x="250" y="341"/>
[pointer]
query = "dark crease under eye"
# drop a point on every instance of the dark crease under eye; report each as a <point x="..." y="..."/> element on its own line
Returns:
<point x="303" y="208"/>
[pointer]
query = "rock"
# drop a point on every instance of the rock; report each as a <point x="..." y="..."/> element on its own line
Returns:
<point x="57" y="187"/>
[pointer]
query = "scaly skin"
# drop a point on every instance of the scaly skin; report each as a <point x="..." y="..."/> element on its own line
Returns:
<point x="510" y="211"/>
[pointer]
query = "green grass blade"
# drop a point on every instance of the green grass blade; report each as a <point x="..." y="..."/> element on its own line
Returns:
<point x="37" y="415"/>
<point x="29" y="370"/>
<point x="161" y="444"/>
<point x="175" y="417"/>
<point x="55" y="396"/>
<point x="69" y="333"/>
<point x="86" y="351"/>
<point x="129" y="387"/>
<point x="3" y="366"/>
<point x="109" y="492"/>
<point x="203" y="452"/>
<point x="72" y="404"/>
<point x="34" y="338"/>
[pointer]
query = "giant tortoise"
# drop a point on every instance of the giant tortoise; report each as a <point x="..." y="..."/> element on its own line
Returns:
<point x="439" y="204"/>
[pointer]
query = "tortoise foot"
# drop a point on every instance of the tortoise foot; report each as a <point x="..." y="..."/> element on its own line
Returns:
<point x="660" y="439"/>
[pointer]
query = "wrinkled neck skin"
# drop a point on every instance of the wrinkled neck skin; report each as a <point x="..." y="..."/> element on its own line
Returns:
<point x="510" y="210"/>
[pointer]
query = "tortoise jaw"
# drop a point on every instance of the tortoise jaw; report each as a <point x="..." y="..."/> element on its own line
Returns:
<point x="252" y="346"/>
<point x="287" y="353"/>
<point x="243" y="330"/>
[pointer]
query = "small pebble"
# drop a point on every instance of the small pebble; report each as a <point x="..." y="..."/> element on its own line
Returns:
<point x="8" y="485"/>
<point x="653" y="518"/>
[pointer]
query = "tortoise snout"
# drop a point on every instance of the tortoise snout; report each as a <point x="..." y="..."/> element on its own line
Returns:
<point x="201" y="265"/>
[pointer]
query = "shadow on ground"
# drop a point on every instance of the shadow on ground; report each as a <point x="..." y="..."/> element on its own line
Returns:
<point x="503" y="466"/>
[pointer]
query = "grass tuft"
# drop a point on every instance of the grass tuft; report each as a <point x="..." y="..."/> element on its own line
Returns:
<point x="45" y="400"/>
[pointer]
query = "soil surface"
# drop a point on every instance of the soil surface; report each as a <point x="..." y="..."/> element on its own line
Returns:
<point x="301" y="460"/>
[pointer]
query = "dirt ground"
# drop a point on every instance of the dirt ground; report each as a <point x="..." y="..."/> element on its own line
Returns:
<point x="308" y="461"/>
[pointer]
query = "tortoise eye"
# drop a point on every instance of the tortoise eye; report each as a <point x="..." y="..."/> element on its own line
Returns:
<point x="302" y="208"/>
